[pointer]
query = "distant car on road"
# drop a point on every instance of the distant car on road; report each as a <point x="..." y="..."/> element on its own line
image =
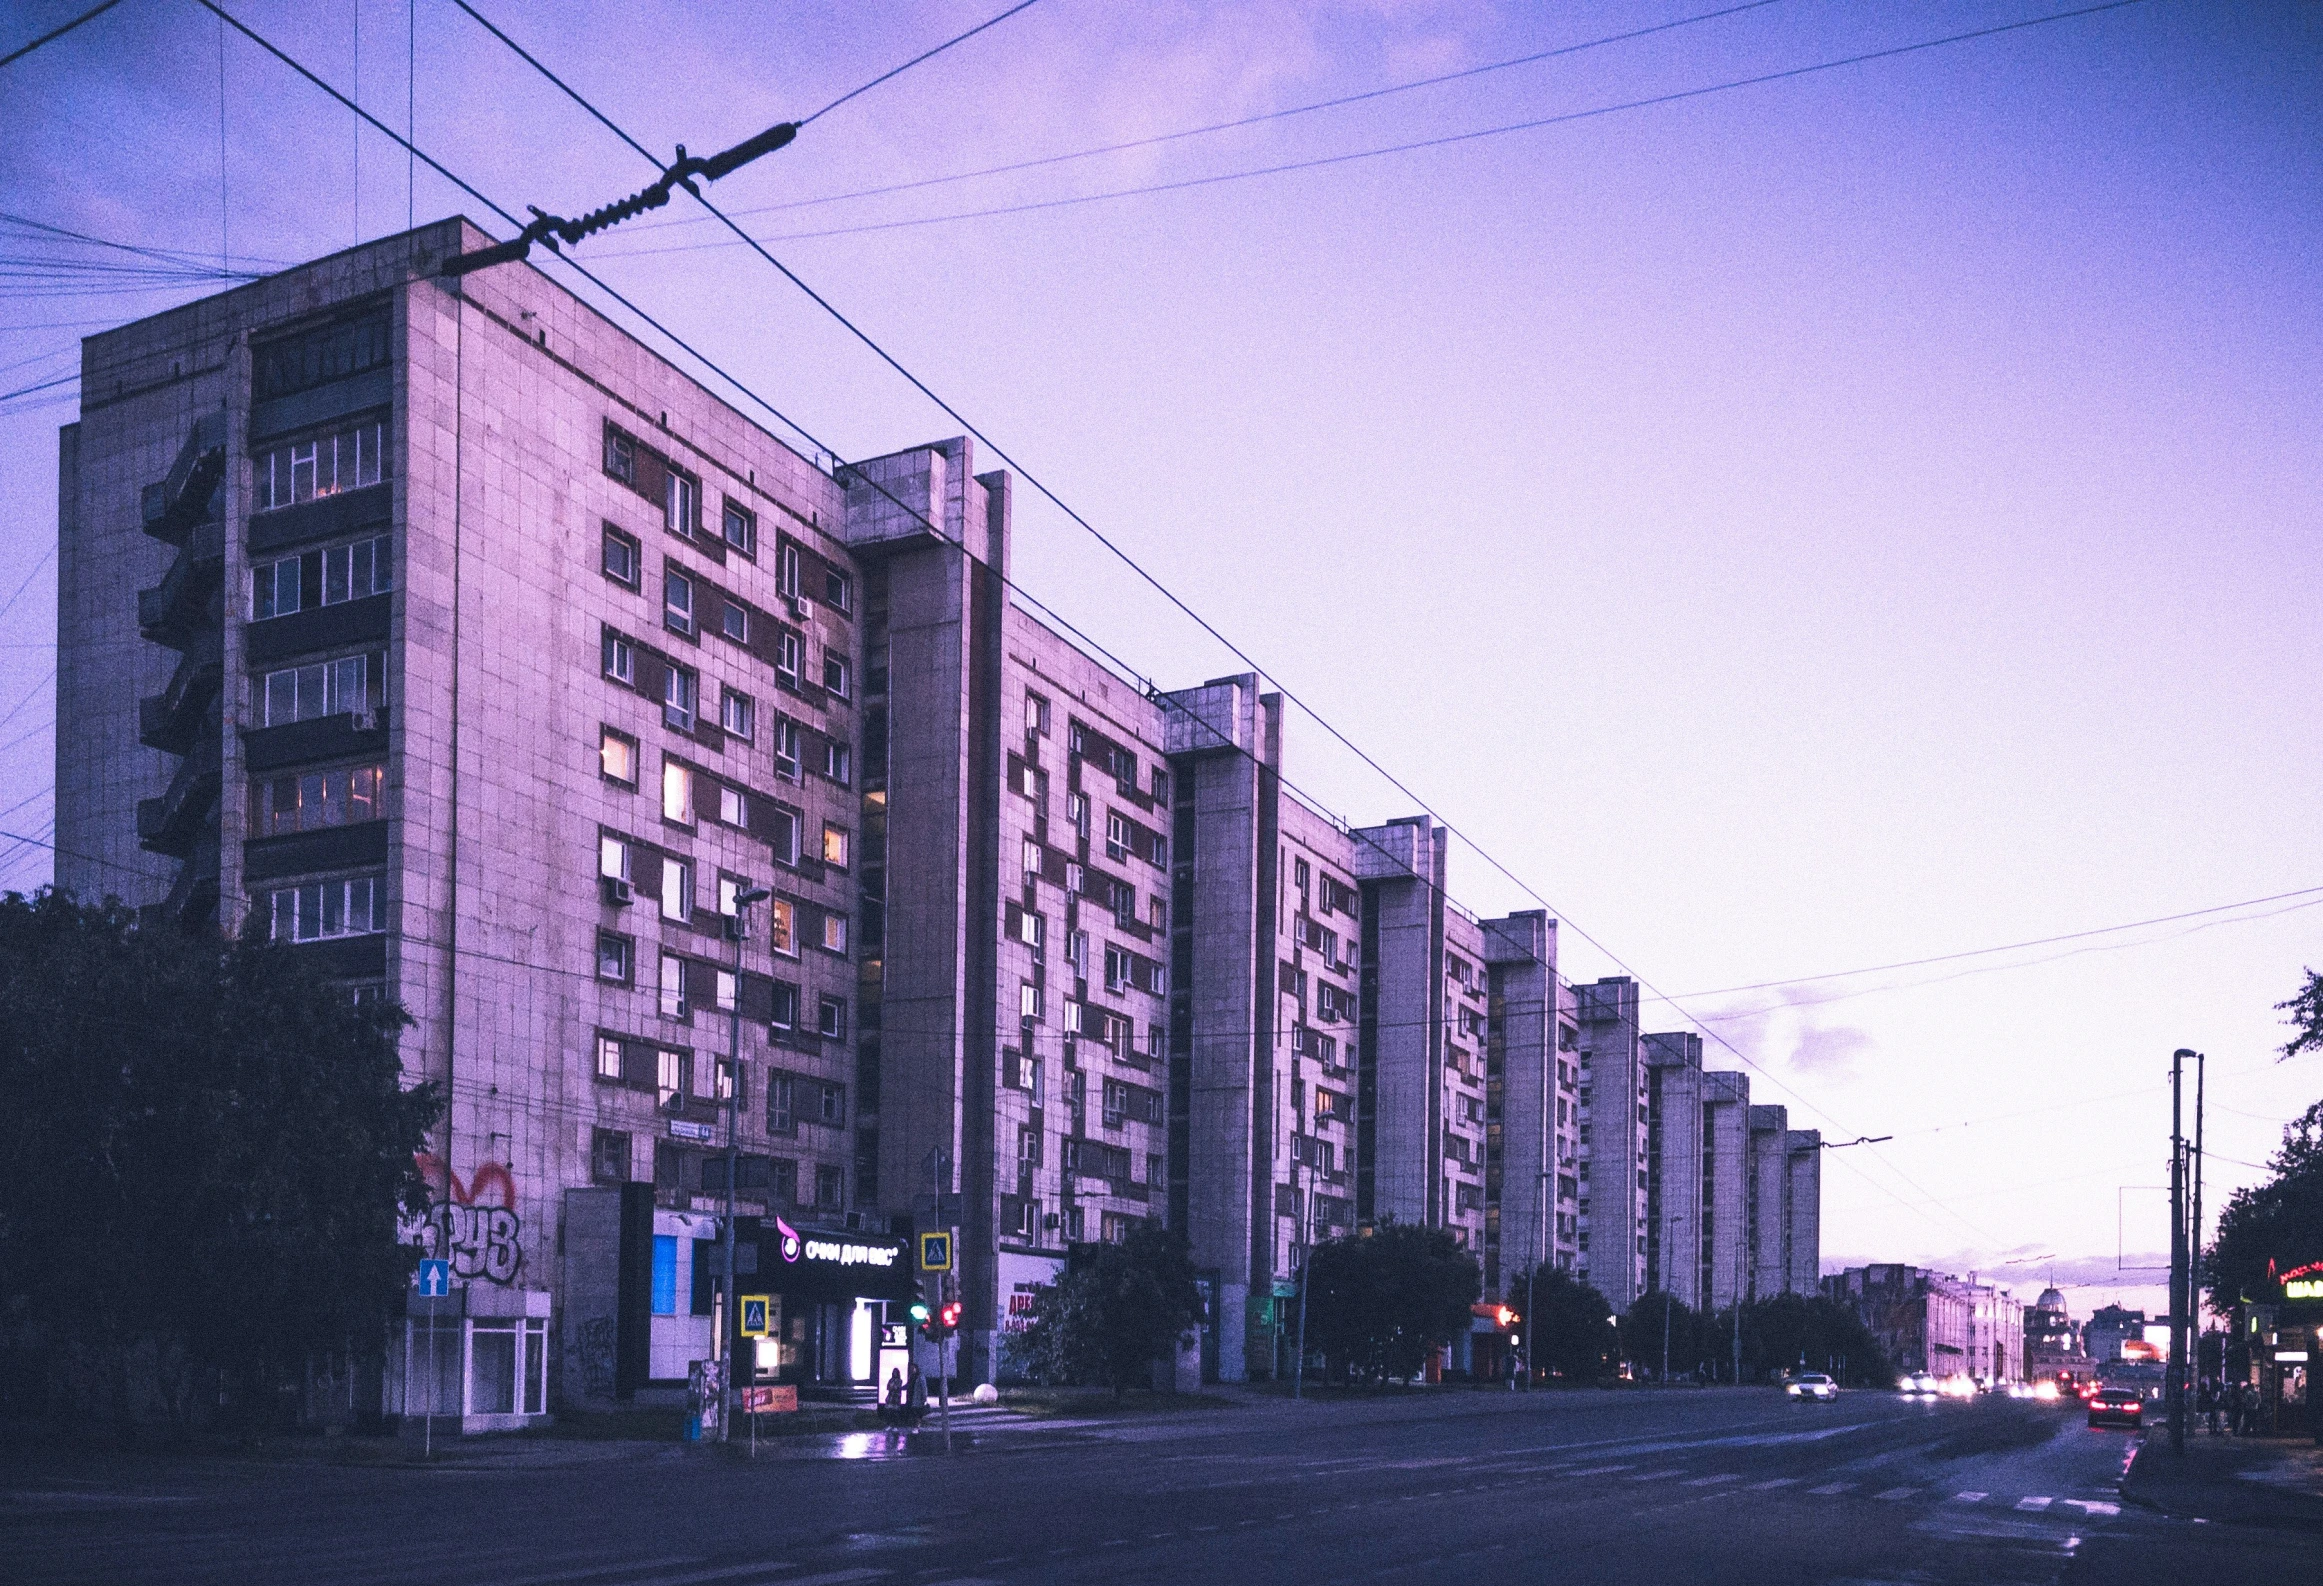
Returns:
<point x="1812" y="1385"/>
<point x="1916" y="1385"/>
<point x="2116" y="1407"/>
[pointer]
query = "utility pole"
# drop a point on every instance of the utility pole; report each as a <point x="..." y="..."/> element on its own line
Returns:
<point x="1306" y="1264"/>
<point x="729" y="1323"/>
<point x="2178" y="1272"/>
<point x="2194" y="1227"/>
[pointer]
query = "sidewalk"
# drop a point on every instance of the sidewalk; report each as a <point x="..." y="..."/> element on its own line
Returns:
<point x="2230" y="1480"/>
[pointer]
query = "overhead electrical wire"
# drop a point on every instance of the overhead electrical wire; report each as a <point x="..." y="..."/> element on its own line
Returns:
<point x="1411" y="146"/>
<point x="923" y="56"/>
<point x="1175" y="600"/>
<point x="1000" y="452"/>
<point x="53" y="34"/>
<point x="1238" y="122"/>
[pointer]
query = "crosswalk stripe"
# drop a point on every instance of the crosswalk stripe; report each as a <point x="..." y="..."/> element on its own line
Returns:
<point x="1970" y="1497"/>
<point x="1833" y="1489"/>
<point x="1897" y="1494"/>
<point x="2094" y="1506"/>
<point x="1711" y="1481"/>
<point x="1769" y="1486"/>
<point x="2032" y="1505"/>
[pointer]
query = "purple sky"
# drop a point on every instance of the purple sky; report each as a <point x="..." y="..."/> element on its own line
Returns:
<point x="1834" y="522"/>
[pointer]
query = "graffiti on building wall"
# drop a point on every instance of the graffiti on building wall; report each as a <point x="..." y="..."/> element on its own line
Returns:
<point x="473" y="1225"/>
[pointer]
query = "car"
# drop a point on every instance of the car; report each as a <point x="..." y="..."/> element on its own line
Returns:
<point x="1916" y="1385"/>
<point x="1812" y="1385"/>
<point x="2116" y="1407"/>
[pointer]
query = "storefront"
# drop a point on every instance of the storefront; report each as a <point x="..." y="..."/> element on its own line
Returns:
<point x="839" y="1303"/>
<point x="473" y="1360"/>
<point x="2285" y="1346"/>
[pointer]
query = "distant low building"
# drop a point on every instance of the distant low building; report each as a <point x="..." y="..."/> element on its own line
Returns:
<point x="2052" y="1337"/>
<point x="1933" y="1322"/>
<point x="2109" y="1328"/>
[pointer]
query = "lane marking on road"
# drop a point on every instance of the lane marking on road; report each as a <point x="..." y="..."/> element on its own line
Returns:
<point x="2094" y="1505"/>
<point x="1896" y="1494"/>
<point x="1769" y="1486"/>
<point x="1594" y="1470"/>
<point x="1656" y="1475"/>
<point x="2032" y="1505"/>
<point x="732" y="1571"/>
<point x="1711" y="1481"/>
<point x="574" y="1577"/>
<point x="1833" y="1489"/>
<point x="1970" y="1497"/>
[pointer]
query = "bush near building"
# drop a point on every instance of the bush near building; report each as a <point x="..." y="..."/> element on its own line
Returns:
<point x="1116" y="1313"/>
<point x="1658" y="1325"/>
<point x="1379" y="1304"/>
<point x="1572" y="1331"/>
<point x="204" y="1157"/>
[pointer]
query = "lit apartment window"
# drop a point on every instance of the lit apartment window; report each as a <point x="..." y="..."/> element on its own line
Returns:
<point x="838" y="589"/>
<point x="677" y="889"/>
<point x="838" y="677"/>
<point x="737" y="713"/>
<point x="320" y="910"/>
<point x="677" y="792"/>
<point x="835" y="933"/>
<point x="348" y="686"/>
<point x="346" y="457"/>
<point x="682" y="505"/>
<point x="673" y="986"/>
<point x="616" y="957"/>
<point x="734" y="621"/>
<point x="322" y="578"/>
<point x="782" y="926"/>
<point x="681" y="691"/>
<point x="677" y="602"/>
<point x="308" y="801"/>
<point x="732" y="810"/>
<point x="727" y="986"/>
<point x="613" y="857"/>
<point x="617" y="757"/>
<point x="621" y="559"/>
<point x="835" y="846"/>
<point x="620" y="658"/>
<point x="740" y="525"/>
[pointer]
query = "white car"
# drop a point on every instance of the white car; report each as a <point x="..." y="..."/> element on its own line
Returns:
<point x="1916" y="1385"/>
<point x="1812" y="1385"/>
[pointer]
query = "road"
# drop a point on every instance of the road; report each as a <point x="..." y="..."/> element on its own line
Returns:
<point x="1453" y="1487"/>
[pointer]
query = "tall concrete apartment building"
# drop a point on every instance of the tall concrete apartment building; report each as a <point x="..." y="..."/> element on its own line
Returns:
<point x="458" y="641"/>
<point x="1616" y="1098"/>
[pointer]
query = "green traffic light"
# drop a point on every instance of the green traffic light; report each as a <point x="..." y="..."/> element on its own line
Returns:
<point x="919" y="1310"/>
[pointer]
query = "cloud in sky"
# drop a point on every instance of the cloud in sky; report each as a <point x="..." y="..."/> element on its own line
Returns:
<point x="1831" y="1051"/>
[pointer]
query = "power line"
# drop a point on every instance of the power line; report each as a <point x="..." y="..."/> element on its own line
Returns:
<point x="761" y="402"/>
<point x="1207" y="627"/>
<point x="924" y="55"/>
<point x="1412" y="146"/>
<point x="1238" y="122"/>
<point x="10" y="603"/>
<point x="53" y="34"/>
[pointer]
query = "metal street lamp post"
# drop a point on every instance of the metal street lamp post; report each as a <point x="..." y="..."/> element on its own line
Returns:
<point x="730" y="1337"/>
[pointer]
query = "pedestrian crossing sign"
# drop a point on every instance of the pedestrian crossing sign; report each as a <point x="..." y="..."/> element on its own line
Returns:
<point x="755" y="1310"/>
<point x="936" y="1252"/>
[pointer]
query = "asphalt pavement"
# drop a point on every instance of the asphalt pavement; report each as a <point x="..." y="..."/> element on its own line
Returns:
<point x="1453" y="1486"/>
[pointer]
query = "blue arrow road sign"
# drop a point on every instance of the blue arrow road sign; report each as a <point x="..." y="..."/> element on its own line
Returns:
<point x="434" y="1279"/>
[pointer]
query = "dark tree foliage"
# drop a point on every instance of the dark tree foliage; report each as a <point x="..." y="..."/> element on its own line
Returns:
<point x="2306" y="1018"/>
<point x="1642" y="1335"/>
<point x="1571" y="1330"/>
<point x="1117" y="1311"/>
<point x="2271" y="1227"/>
<point x="1379" y="1303"/>
<point x="1799" y="1332"/>
<point x="204" y="1157"/>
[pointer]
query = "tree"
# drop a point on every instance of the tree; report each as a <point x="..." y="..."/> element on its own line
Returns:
<point x="1802" y="1331"/>
<point x="1117" y="1311"/>
<point x="1378" y="1304"/>
<point x="1571" y="1331"/>
<point x="203" y="1161"/>
<point x="1643" y="1334"/>
<point x="2271" y="1227"/>
<point x="2306" y="1017"/>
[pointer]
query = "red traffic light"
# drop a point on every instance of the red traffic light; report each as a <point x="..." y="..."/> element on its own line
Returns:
<point x="949" y="1316"/>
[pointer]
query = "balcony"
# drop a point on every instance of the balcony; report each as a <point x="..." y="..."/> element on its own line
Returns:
<point x="171" y="611"/>
<point x="169" y="824"/>
<point x="170" y="719"/>
<point x="182" y="498"/>
<point x="193" y="898"/>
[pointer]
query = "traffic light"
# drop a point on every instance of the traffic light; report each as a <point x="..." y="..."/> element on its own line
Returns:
<point x="919" y="1313"/>
<point x="949" y="1317"/>
<point x="1505" y="1317"/>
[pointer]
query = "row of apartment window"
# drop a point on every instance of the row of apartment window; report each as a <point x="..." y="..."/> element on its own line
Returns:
<point x="346" y="457"/>
<point x="681" y="504"/>
<point x="1117" y="897"/>
<point x="616" y="858"/>
<point x="683" y="802"/>
<point x="319" y="910"/>
<point x="322" y="578"/>
<point x="1087" y="1021"/>
<point x="737" y="713"/>
<point x="678" y="1073"/>
<point x="350" y="685"/>
<point x="308" y="801"/>
<point x="1336" y="895"/>
<point x="617" y="964"/>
